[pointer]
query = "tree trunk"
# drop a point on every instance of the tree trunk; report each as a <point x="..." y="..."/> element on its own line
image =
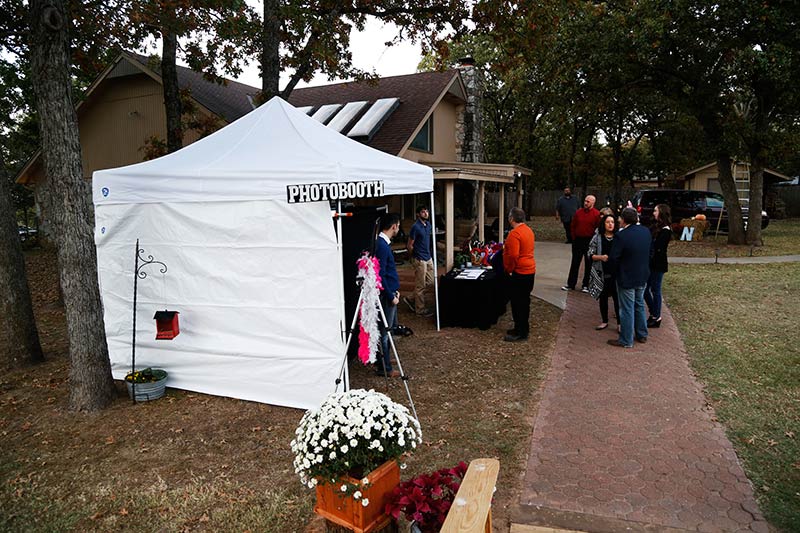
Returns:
<point x="67" y="205"/>
<point x="172" y="97"/>
<point x="736" y="233"/>
<point x="756" y="200"/>
<point x="19" y="343"/>
<point x="270" y="50"/>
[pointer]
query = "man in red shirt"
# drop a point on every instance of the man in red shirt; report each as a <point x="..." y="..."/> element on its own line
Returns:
<point x="520" y="267"/>
<point x="584" y="223"/>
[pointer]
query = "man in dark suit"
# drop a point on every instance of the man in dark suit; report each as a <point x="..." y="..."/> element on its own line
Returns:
<point x="630" y="257"/>
<point x="390" y="295"/>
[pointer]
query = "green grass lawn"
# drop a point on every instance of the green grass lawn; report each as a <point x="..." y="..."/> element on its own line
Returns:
<point x="782" y="237"/>
<point x="741" y="327"/>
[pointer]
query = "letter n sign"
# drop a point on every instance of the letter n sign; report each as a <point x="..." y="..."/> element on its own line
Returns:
<point x="688" y="233"/>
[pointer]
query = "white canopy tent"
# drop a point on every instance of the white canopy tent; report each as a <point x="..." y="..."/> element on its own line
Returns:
<point x="257" y="280"/>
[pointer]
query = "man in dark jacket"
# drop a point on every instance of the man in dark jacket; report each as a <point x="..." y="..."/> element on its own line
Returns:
<point x="565" y="209"/>
<point x="630" y="257"/>
<point x="390" y="295"/>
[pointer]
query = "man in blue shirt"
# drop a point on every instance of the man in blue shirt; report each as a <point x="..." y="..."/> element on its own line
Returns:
<point x="419" y="248"/>
<point x="390" y="295"/>
<point x="630" y="257"/>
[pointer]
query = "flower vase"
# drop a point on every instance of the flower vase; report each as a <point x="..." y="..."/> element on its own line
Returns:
<point x="344" y="510"/>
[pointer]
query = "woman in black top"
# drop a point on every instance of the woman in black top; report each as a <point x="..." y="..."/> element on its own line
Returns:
<point x="602" y="284"/>
<point x="662" y="234"/>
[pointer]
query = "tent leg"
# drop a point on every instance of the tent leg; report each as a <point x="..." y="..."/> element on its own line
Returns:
<point x="435" y="264"/>
<point x="347" y="344"/>
<point x="399" y="364"/>
<point x="339" y="239"/>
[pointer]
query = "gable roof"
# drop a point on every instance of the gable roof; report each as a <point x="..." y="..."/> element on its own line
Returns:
<point x="229" y="100"/>
<point x="713" y="164"/>
<point x="418" y="93"/>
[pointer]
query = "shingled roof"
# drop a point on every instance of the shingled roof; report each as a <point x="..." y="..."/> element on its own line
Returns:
<point x="230" y="100"/>
<point x="417" y="93"/>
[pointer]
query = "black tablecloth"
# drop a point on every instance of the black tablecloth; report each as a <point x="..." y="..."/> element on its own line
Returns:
<point x="471" y="303"/>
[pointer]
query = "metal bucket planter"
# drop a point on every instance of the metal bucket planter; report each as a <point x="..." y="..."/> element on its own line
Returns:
<point x="148" y="391"/>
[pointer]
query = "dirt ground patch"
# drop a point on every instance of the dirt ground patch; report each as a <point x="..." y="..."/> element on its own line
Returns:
<point x="193" y="462"/>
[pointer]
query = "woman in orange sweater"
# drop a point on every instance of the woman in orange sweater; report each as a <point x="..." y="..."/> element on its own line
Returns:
<point x="520" y="267"/>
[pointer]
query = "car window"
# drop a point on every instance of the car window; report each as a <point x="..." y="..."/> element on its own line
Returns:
<point x="653" y="198"/>
<point x="697" y="200"/>
<point x="715" y="201"/>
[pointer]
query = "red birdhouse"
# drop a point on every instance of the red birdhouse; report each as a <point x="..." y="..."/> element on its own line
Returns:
<point x="167" y="327"/>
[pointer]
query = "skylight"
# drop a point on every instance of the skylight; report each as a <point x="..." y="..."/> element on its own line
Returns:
<point x="343" y="117"/>
<point x="325" y="112"/>
<point x="372" y="120"/>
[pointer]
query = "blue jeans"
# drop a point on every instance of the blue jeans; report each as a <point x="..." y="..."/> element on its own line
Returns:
<point x="632" y="318"/>
<point x="652" y="294"/>
<point x="390" y="311"/>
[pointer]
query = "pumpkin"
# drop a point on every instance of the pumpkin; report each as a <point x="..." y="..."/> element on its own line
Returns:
<point x="700" y="217"/>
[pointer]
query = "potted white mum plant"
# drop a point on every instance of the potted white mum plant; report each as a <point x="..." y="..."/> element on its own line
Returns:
<point x="348" y="449"/>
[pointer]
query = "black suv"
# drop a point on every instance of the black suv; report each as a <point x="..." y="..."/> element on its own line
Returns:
<point x="686" y="204"/>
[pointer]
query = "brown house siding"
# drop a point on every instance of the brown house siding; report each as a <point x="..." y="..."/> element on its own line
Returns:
<point x="115" y="122"/>
<point x="444" y="135"/>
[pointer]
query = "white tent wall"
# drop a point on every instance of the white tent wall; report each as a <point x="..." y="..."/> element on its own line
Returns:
<point x="257" y="280"/>
<point x="251" y="280"/>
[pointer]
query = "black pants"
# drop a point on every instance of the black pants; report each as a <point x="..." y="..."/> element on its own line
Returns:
<point x="520" y="287"/>
<point x="609" y="289"/>
<point x="567" y="224"/>
<point x="580" y="245"/>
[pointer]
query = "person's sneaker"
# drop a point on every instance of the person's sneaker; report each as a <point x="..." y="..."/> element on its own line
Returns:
<point x="585" y="289"/>
<point x="567" y="288"/>
<point x="615" y="342"/>
<point x="654" y="323"/>
<point x="515" y="338"/>
<point x="408" y="302"/>
<point x="426" y="313"/>
<point x="511" y="331"/>
<point x="641" y="339"/>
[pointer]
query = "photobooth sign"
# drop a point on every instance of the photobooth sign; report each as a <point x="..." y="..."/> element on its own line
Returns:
<point x="322" y="192"/>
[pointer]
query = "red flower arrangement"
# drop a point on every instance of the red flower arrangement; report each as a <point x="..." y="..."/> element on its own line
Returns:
<point x="479" y="253"/>
<point x="427" y="498"/>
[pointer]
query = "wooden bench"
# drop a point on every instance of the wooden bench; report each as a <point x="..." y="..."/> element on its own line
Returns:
<point x="472" y="508"/>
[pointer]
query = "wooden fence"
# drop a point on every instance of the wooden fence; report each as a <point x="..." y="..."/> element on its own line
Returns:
<point x="543" y="203"/>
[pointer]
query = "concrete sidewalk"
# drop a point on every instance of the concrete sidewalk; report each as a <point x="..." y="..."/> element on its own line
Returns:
<point x="624" y="439"/>
<point x="552" y="267"/>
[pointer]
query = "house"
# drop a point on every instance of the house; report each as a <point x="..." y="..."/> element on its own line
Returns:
<point x="431" y="117"/>
<point x="706" y="178"/>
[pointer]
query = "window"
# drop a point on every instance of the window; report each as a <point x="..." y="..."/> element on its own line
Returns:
<point x="424" y="139"/>
<point x="653" y="198"/>
<point x="715" y="201"/>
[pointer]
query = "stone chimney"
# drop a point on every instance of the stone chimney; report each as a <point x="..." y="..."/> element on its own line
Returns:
<point x="469" y="124"/>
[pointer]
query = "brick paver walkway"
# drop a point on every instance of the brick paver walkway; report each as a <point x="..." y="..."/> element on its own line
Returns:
<point x="626" y="434"/>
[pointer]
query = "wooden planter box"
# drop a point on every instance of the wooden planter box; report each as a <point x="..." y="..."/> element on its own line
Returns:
<point x="345" y="511"/>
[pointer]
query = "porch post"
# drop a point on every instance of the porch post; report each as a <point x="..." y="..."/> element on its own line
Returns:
<point x="450" y="225"/>
<point x="481" y="210"/>
<point x="501" y="217"/>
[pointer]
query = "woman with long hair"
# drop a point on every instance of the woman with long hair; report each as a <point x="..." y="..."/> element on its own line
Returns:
<point x="662" y="234"/>
<point x="602" y="284"/>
